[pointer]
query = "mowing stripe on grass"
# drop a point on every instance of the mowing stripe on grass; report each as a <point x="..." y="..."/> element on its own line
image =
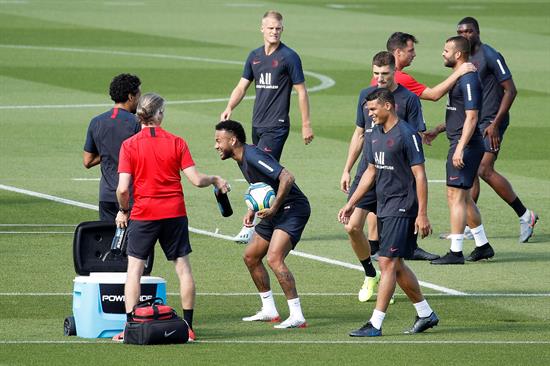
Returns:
<point x="277" y="342"/>
<point x="225" y="237"/>
<point x="35" y="232"/>
<point x="321" y="294"/>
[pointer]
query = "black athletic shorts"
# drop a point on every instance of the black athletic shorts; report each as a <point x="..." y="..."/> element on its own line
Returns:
<point x="172" y="234"/>
<point x="464" y="178"/>
<point x="291" y="218"/>
<point x="270" y="139"/>
<point x="397" y="237"/>
<point x="368" y="202"/>
<point x="108" y="211"/>
<point x="486" y="141"/>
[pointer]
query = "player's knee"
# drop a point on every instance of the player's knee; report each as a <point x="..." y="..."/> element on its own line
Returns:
<point x="275" y="261"/>
<point x="485" y="171"/>
<point x="353" y="229"/>
<point x="250" y="260"/>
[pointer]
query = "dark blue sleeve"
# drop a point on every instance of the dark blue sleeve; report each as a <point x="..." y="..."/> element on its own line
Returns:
<point x="264" y="163"/>
<point x="360" y="119"/>
<point x="497" y="65"/>
<point x="413" y="147"/>
<point x="89" y="145"/>
<point x="414" y="112"/>
<point x="367" y="146"/>
<point x="295" y="70"/>
<point x="470" y="86"/>
<point x="247" y="72"/>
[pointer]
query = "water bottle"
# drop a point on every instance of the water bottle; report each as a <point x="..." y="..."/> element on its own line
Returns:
<point x="223" y="203"/>
<point x="118" y="241"/>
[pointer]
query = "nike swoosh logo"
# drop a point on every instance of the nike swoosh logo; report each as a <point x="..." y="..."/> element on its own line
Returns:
<point x="255" y="62"/>
<point x="168" y="334"/>
<point x="393" y="250"/>
<point x="453" y="178"/>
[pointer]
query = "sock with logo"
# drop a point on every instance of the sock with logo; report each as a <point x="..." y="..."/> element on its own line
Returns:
<point x="377" y="318"/>
<point x="370" y="271"/>
<point x="518" y="207"/>
<point x="374" y="246"/>
<point x="479" y="236"/>
<point x="457" y="242"/>
<point x="295" y="308"/>
<point x="188" y="317"/>
<point x="423" y="309"/>
<point x="268" y="303"/>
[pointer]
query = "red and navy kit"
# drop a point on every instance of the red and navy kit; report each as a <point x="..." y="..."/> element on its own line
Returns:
<point x="154" y="158"/>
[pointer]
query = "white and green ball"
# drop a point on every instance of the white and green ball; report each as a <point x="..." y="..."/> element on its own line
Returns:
<point x="259" y="196"/>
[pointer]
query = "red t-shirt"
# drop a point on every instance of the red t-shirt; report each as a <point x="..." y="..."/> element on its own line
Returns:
<point x="154" y="158"/>
<point x="407" y="81"/>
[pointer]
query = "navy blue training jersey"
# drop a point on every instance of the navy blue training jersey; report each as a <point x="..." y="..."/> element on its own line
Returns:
<point x="258" y="166"/>
<point x="273" y="76"/>
<point x="407" y="107"/>
<point x="492" y="71"/>
<point x="106" y="133"/>
<point x="393" y="153"/>
<point x="464" y="95"/>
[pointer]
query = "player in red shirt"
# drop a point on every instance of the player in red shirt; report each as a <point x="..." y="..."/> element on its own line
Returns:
<point x="153" y="159"/>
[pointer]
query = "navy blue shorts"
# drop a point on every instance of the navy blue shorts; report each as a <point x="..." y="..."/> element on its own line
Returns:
<point x="108" y="211"/>
<point x="397" y="237"/>
<point x="368" y="202"/>
<point x="486" y="142"/>
<point x="291" y="218"/>
<point x="464" y="178"/>
<point x="270" y="139"/>
<point x="172" y="234"/>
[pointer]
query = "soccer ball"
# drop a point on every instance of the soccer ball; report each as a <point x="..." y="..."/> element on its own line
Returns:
<point x="259" y="196"/>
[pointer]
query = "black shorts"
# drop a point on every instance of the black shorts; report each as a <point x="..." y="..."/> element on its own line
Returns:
<point x="291" y="218"/>
<point x="172" y="234"/>
<point x="108" y="211"/>
<point x="270" y="139"/>
<point x="368" y="201"/>
<point x="486" y="142"/>
<point x="397" y="237"/>
<point x="464" y="178"/>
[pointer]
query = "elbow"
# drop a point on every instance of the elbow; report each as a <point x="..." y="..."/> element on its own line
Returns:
<point x="87" y="164"/>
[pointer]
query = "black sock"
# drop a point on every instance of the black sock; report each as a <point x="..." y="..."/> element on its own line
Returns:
<point x="374" y="246"/>
<point x="188" y="317"/>
<point x="518" y="207"/>
<point x="456" y="254"/>
<point x="129" y="317"/>
<point x="370" y="271"/>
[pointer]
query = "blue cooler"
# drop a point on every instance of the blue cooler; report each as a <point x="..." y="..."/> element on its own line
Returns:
<point x="98" y="302"/>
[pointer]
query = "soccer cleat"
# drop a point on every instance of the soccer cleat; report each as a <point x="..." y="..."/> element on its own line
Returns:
<point x="367" y="290"/>
<point x="526" y="227"/>
<point x="291" y="323"/>
<point x="479" y="253"/>
<point x="367" y="330"/>
<point x="422" y="324"/>
<point x="422" y="255"/>
<point x="192" y="336"/>
<point x="261" y="316"/>
<point x="449" y="258"/>
<point x="244" y="236"/>
<point x="119" y="337"/>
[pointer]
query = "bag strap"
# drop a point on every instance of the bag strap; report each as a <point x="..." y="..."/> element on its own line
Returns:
<point x="150" y="302"/>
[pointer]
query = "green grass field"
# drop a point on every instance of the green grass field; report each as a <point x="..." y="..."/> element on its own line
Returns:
<point x="56" y="61"/>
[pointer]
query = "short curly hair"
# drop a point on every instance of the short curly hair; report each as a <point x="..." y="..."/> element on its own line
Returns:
<point x="122" y="85"/>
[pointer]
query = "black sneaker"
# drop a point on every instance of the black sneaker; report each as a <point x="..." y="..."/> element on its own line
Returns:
<point x="449" y="258"/>
<point x="422" y="255"/>
<point x="483" y="252"/>
<point x="367" y="330"/>
<point x="421" y="324"/>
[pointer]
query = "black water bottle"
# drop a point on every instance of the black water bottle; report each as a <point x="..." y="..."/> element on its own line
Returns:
<point x="223" y="203"/>
<point x="118" y="241"/>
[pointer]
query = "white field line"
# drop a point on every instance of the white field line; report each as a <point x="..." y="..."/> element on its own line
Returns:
<point x="220" y="236"/>
<point x="326" y="82"/>
<point x="37" y="225"/>
<point x="313" y="294"/>
<point x="35" y="232"/>
<point x="328" y="342"/>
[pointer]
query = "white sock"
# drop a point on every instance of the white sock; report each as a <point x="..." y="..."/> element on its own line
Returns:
<point x="377" y="318"/>
<point x="457" y="242"/>
<point x="526" y="217"/>
<point x="479" y="236"/>
<point x="423" y="309"/>
<point x="295" y="308"/>
<point x="268" y="303"/>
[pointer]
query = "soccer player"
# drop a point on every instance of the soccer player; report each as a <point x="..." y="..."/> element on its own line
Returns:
<point x="105" y="135"/>
<point x="465" y="153"/>
<point x="499" y="92"/>
<point x="396" y="163"/>
<point x="153" y="159"/>
<point x="275" y="70"/>
<point x="408" y="109"/>
<point x="280" y="228"/>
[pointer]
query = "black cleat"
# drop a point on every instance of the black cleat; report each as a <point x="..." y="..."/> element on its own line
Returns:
<point x="422" y="255"/>
<point x="483" y="252"/>
<point x="450" y="258"/>
<point x="421" y="324"/>
<point x="367" y="330"/>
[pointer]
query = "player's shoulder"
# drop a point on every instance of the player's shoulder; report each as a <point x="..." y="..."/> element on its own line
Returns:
<point x="405" y="127"/>
<point x="488" y="51"/>
<point x="366" y="91"/>
<point x="103" y="116"/>
<point x="404" y="93"/>
<point x="283" y="48"/>
<point x="401" y="76"/>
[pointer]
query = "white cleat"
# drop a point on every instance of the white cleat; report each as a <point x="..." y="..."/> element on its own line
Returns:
<point x="244" y="235"/>
<point x="261" y="316"/>
<point x="369" y="285"/>
<point x="291" y="323"/>
<point x="526" y="227"/>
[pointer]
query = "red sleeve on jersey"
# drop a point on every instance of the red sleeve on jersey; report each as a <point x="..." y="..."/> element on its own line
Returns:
<point x="409" y="82"/>
<point x="186" y="159"/>
<point x="124" y="163"/>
